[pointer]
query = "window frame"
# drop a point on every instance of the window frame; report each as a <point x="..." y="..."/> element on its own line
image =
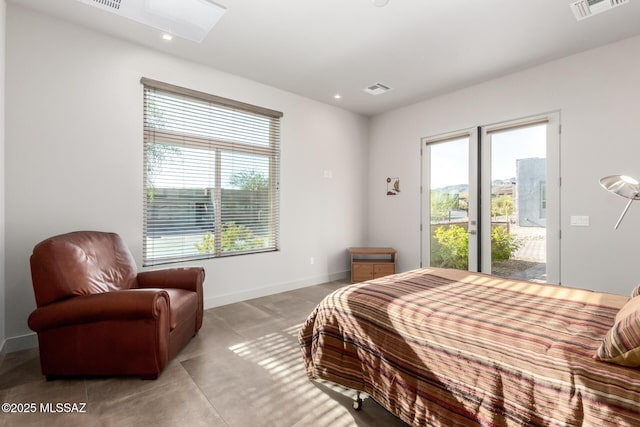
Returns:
<point x="218" y="148"/>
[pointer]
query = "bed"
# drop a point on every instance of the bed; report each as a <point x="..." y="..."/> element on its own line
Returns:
<point x="442" y="347"/>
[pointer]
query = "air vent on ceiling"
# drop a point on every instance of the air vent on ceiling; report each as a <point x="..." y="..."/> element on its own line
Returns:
<point x="585" y="8"/>
<point x="111" y="4"/>
<point x="377" y="89"/>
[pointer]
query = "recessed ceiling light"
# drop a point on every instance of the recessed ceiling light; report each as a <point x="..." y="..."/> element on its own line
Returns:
<point x="380" y="3"/>
<point x="337" y="96"/>
<point x="167" y="37"/>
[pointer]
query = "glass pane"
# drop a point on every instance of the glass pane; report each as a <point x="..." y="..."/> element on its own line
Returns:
<point x="449" y="204"/>
<point x="180" y="206"/>
<point x="246" y="202"/>
<point x="518" y="203"/>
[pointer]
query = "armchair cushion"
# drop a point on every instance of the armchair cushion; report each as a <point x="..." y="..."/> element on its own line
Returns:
<point x="182" y="303"/>
<point x="188" y="278"/>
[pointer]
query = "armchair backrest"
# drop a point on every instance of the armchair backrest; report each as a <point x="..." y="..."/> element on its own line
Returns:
<point x="80" y="263"/>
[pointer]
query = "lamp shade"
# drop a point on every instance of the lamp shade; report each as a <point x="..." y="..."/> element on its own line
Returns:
<point x="622" y="185"/>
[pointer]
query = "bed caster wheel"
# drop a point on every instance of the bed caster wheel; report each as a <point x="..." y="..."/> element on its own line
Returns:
<point x="357" y="404"/>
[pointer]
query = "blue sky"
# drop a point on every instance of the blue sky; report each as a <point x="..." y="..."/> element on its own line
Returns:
<point x="506" y="148"/>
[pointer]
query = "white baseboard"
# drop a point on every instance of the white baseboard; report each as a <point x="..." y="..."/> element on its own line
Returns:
<point x="30" y="340"/>
<point x="232" y="298"/>
<point x="21" y="342"/>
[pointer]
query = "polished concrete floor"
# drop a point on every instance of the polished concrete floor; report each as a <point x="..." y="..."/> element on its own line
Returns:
<point x="243" y="369"/>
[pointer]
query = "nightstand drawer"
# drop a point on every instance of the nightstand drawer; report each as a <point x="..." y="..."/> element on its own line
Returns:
<point x="385" y="269"/>
<point x="361" y="272"/>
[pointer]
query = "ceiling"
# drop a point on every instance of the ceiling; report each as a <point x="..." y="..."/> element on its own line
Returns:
<point x="419" y="48"/>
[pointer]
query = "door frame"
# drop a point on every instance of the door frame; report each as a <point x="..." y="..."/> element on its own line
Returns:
<point x="478" y="158"/>
<point x="552" y="119"/>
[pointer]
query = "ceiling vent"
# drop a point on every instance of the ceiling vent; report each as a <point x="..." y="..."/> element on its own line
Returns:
<point x="586" y="8"/>
<point x="109" y="4"/>
<point x="189" y="19"/>
<point x="377" y="89"/>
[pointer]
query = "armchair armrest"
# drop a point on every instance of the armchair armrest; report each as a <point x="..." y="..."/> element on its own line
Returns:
<point x="189" y="278"/>
<point x="127" y="304"/>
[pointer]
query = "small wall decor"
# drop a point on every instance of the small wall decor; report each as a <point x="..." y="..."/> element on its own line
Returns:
<point x="393" y="186"/>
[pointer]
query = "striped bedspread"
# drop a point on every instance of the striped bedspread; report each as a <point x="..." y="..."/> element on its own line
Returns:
<point x="440" y="347"/>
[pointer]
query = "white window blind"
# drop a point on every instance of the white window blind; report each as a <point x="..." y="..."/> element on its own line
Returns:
<point x="211" y="176"/>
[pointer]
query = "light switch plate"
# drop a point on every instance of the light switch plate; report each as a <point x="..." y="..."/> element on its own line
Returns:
<point x="580" y="220"/>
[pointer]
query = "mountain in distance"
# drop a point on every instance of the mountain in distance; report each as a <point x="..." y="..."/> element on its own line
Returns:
<point x="456" y="189"/>
<point x="463" y="188"/>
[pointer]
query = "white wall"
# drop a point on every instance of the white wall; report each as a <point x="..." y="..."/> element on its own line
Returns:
<point x="74" y="160"/>
<point x="3" y="25"/>
<point x="597" y="94"/>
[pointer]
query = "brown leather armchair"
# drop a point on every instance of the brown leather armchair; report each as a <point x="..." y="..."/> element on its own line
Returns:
<point x="96" y="315"/>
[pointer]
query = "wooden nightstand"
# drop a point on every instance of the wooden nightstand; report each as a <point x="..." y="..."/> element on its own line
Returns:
<point x="371" y="263"/>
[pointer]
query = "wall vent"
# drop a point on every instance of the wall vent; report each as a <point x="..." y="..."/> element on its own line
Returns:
<point x="583" y="9"/>
<point x="377" y="89"/>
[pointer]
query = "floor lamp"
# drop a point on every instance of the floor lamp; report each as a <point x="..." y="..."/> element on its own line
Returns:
<point x="623" y="186"/>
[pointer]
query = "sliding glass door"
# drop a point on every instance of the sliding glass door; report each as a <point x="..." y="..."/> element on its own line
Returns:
<point x="490" y="199"/>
